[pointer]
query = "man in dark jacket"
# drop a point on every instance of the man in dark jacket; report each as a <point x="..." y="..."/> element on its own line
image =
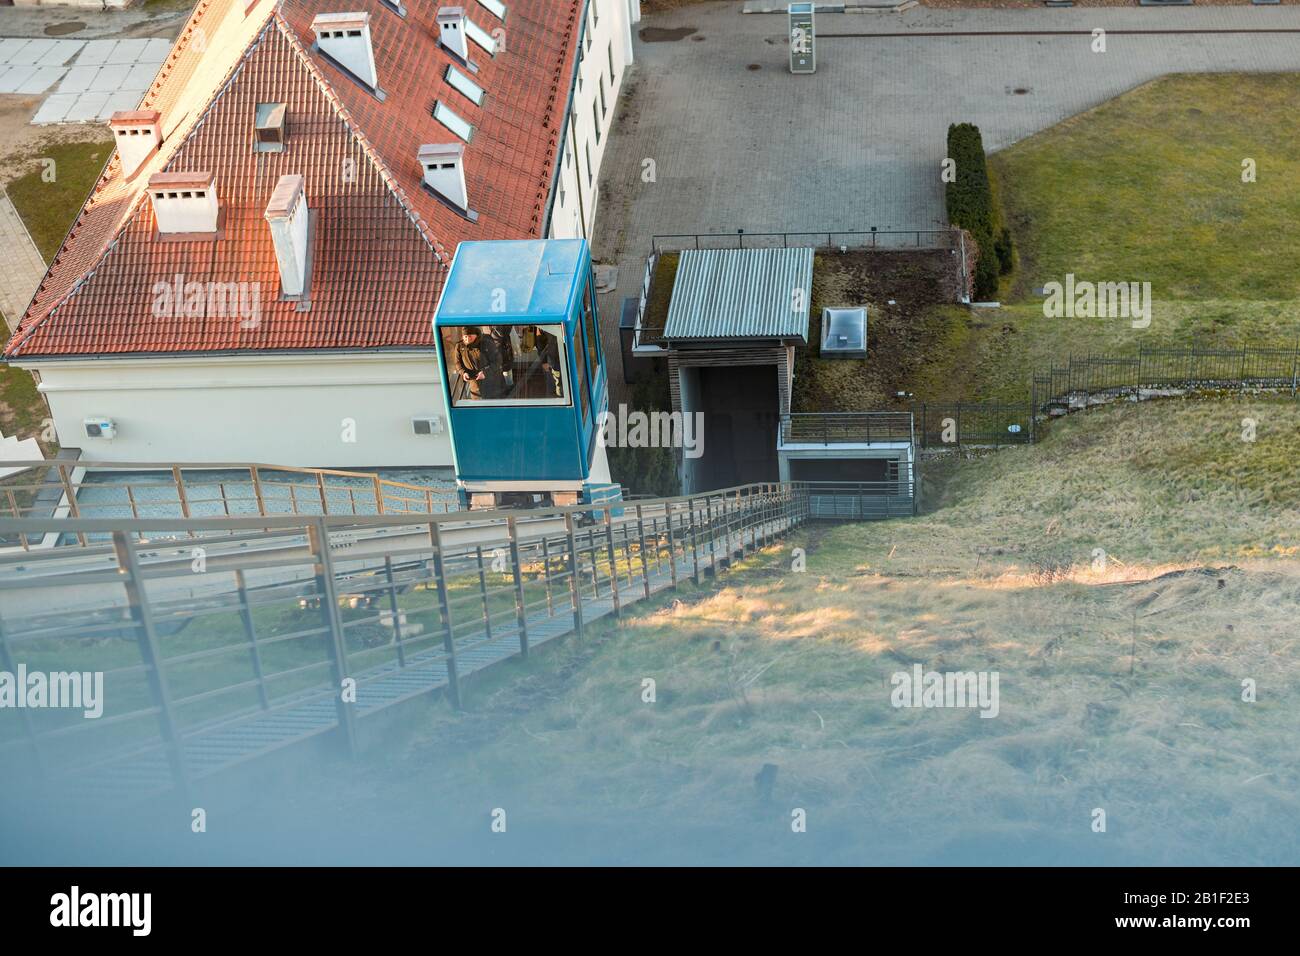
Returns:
<point x="500" y="337"/>
<point x="548" y="350"/>
<point x="477" y="363"/>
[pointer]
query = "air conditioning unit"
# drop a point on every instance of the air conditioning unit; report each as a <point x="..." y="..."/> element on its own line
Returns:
<point x="427" y="425"/>
<point x="100" y="428"/>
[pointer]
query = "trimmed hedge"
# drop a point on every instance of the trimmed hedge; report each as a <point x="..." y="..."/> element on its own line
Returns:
<point x="969" y="199"/>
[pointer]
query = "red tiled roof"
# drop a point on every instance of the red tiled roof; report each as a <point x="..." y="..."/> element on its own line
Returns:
<point x="381" y="243"/>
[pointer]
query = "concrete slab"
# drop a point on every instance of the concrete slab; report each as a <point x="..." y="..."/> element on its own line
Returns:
<point x="15" y="77"/>
<point x="127" y="52"/>
<point x="121" y="100"/>
<point x="140" y="76"/>
<point x="41" y="80"/>
<point x="116" y="100"/>
<point x="9" y="46"/>
<point x="63" y="51"/>
<point x="55" y="108"/>
<point x="87" y="107"/>
<point x="78" y="79"/>
<point x="95" y="52"/>
<point x="157" y="50"/>
<point x="110" y="77"/>
<point x="32" y="51"/>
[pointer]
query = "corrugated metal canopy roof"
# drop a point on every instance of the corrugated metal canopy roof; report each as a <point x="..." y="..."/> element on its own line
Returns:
<point x="741" y="293"/>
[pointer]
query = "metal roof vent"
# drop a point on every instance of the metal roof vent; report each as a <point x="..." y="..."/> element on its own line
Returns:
<point x="844" y="333"/>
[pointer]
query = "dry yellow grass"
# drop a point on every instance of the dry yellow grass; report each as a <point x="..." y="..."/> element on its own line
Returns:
<point x="1120" y="685"/>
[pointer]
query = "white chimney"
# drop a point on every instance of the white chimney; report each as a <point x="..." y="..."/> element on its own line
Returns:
<point x="444" y="171"/>
<point x="345" y="38"/>
<point x="451" y="31"/>
<point x="287" y="216"/>
<point x="137" y="134"/>
<point x="184" y="203"/>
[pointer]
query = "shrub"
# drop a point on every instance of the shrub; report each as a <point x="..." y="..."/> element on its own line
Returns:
<point x="970" y="205"/>
<point x="1003" y="249"/>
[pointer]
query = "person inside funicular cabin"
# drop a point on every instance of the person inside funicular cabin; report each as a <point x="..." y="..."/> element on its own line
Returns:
<point x="477" y="363"/>
<point x="548" y="351"/>
<point x="501" y="338"/>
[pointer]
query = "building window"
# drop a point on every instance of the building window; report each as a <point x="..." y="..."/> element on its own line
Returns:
<point x="610" y="54"/>
<point x="590" y="178"/>
<point x="595" y="115"/>
<point x="600" y="83"/>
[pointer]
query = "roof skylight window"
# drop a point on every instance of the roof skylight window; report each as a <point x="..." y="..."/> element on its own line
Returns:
<point x="480" y="36"/>
<point x="448" y="118"/>
<point x="467" y="86"/>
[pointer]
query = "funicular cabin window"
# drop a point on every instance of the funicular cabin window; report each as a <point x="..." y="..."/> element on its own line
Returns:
<point x="583" y="347"/>
<point x="506" y="365"/>
<point x="593" y="335"/>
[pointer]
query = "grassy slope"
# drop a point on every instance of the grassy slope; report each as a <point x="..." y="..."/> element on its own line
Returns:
<point x="1146" y="187"/>
<point x="1119" y="686"/>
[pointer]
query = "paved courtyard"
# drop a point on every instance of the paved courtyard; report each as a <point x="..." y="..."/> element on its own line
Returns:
<point x="738" y="142"/>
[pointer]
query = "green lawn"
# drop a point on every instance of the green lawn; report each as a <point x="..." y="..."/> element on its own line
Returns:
<point x="49" y="208"/>
<point x="1146" y="187"/>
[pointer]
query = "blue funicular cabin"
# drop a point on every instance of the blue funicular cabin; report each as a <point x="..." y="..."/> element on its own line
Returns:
<point x="523" y="374"/>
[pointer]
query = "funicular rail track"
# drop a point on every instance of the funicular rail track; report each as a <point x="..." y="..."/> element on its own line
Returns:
<point x="224" y="639"/>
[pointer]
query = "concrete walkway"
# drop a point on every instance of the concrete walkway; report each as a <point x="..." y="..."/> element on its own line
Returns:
<point x="738" y="142"/>
<point x="24" y="267"/>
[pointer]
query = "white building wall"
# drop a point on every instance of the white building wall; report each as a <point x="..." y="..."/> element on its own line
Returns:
<point x="606" y="43"/>
<point x="272" y="409"/>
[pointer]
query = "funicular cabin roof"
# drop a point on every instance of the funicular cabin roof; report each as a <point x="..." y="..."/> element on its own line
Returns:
<point x="505" y="282"/>
<point x="735" y="296"/>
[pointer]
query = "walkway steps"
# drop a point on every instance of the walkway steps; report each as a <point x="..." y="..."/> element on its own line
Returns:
<point x="215" y="748"/>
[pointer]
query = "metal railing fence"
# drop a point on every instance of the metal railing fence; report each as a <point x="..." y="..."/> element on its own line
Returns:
<point x="260" y="632"/>
<point x="139" y="490"/>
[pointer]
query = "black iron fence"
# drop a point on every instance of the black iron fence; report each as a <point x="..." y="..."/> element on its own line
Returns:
<point x="825" y="428"/>
<point x="863" y="500"/>
<point x="220" y="639"/>
<point x="1081" y="379"/>
<point x="927" y="424"/>
<point x="953" y="424"/>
